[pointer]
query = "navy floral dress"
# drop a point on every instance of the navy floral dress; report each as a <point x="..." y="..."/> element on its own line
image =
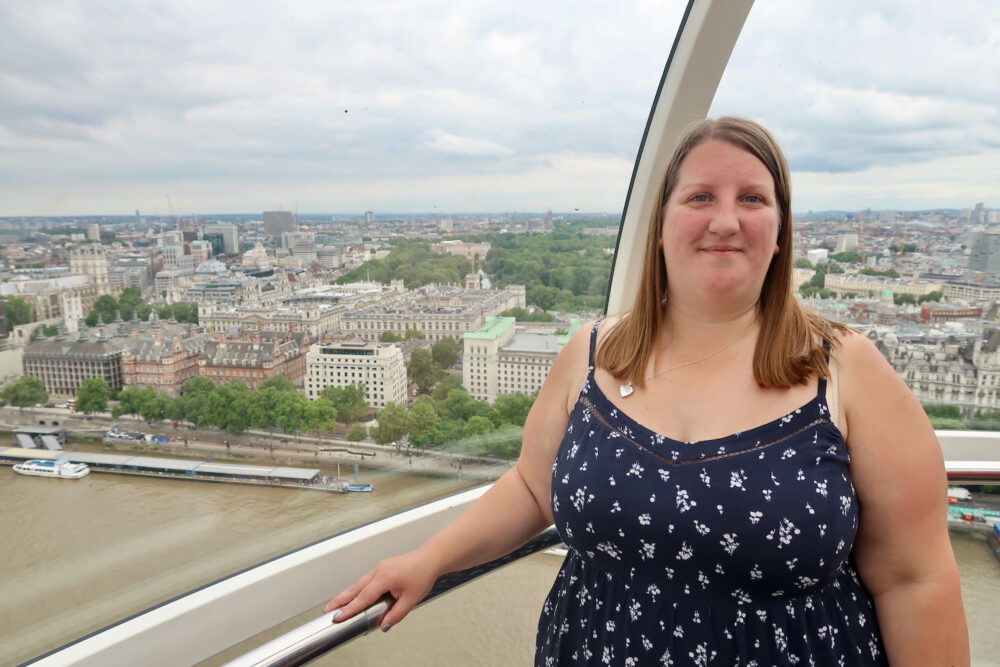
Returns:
<point x="734" y="551"/>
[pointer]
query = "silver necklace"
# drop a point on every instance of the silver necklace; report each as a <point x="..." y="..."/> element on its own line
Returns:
<point x="626" y="389"/>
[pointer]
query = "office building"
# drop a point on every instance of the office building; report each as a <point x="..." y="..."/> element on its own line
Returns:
<point x="379" y="367"/>
<point x="230" y="237"/>
<point x="277" y="222"/>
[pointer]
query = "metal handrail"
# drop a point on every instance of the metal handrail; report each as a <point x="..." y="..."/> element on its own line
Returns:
<point x="315" y="638"/>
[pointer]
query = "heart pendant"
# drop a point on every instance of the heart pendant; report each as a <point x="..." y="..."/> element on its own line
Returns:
<point x="625" y="390"/>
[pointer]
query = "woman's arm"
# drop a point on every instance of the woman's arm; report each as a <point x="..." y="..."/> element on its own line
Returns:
<point x="902" y="549"/>
<point x="513" y="511"/>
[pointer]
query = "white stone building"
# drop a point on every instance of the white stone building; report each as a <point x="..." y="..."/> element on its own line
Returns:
<point x="498" y="359"/>
<point x="378" y="366"/>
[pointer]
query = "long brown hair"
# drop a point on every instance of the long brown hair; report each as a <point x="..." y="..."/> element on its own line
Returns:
<point x="790" y="346"/>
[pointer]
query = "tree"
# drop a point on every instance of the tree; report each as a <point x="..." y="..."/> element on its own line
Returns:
<point x="513" y="408"/>
<point x="226" y="406"/>
<point x="129" y="402"/>
<point x="92" y="396"/>
<point x="449" y="382"/>
<point x="413" y="333"/>
<point x="900" y="299"/>
<point x="280" y="383"/>
<point x="802" y="263"/>
<point x="320" y="417"/>
<point x="446" y="352"/>
<point x="943" y="410"/>
<point x="198" y="385"/>
<point x="349" y="402"/>
<point x="477" y="426"/>
<point x="422" y="369"/>
<point x="357" y="433"/>
<point x="389" y="337"/>
<point x="932" y="296"/>
<point x="25" y="392"/>
<point x="154" y="406"/>
<point x="391" y="425"/>
<point x="421" y="420"/>
<point x="847" y="257"/>
<point x="16" y="311"/>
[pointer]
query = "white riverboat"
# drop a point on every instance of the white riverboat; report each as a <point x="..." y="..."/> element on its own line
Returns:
<point x="61" y="469"/>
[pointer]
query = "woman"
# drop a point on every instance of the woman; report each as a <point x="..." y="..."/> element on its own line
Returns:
<point x="739" y="481"/>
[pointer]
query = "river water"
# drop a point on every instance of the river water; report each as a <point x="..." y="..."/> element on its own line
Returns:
<point x="78" y="555"/>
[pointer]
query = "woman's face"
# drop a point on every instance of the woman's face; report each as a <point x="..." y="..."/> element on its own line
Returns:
<point x="720" y="226"/>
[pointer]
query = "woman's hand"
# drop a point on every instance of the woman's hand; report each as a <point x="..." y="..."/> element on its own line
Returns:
<point x="406" y="578"/>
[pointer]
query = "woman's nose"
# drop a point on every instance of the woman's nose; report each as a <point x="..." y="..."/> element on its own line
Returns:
<point x="725" y="219"/>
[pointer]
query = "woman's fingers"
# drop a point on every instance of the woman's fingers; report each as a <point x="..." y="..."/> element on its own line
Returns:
<point x="349" y="594"/>
<point x="398" y="611"/>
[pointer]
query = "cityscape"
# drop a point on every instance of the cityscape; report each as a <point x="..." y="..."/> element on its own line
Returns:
<point x="396" y="306"/>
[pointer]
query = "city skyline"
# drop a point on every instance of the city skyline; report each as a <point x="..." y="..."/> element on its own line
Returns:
<point x="182" y="109"/>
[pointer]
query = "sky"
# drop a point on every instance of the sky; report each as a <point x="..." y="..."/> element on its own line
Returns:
<point x="192" y="107"/>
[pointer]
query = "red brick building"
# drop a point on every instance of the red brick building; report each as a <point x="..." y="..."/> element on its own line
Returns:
<point x="254" y="357"/>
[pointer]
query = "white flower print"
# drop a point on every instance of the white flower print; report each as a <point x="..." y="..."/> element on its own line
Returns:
<point x="580" y="498"/>
<point x="821" y="487"/>
<point x="703" y="580"/>
<point x="611" y="480"/>
<point x="736" y="479"/>
<point x="644" y="519"/>
<point x="685" y="552"/>
<point x="719" y="507"/>
<point x="800" y="476"/>
<point x="653" y="590"/>
<point x="664" y="474"/>
<point x="636" y="470"/>
<point x="610" y="549"/>
<point x="787" y="454"/>
<point x="678" y="631"/>
<point x="741" y="598"/>
<point x="702" y="655"/>
<point x="767" y="494"/>
<point x="729" y="543"/>
<point x="634" y="610"/>
<point x="701" y="528"/>
<point x="705" y="479"/>
<point x="756" y="573"/>
<point x="615" y="507"/>
<point x="647" y="550"/>
<point x="845" y="505"/>
<point x="755" y="516"/>
<point x="683" y="502"/>
<point x="822" y="530"/>
<point x="809" y="507"/>
<point x="791" y="563"/>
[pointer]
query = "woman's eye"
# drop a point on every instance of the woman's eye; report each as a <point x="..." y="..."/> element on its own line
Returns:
<point x="753" y="199"/>
<point x="699" y="198"/>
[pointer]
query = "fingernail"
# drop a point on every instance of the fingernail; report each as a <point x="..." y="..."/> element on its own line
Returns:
<point x="386" y="628"/>
<point x="337" y="614"/>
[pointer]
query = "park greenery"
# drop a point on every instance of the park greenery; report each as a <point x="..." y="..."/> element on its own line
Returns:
<point x="130" y="302"/>
<point x="47" y="330"/>
<point x="415" y="264"/>
<point x="564" y="270"/>
<point x="521" y="315"/>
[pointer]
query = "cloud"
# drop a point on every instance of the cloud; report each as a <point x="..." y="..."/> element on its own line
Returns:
<point x="440" y="140"/>
<point x="233" y="105"/>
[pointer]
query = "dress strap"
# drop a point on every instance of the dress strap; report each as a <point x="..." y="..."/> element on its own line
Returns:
<point x="821" y="388"/>
<point x="593" y="342"/>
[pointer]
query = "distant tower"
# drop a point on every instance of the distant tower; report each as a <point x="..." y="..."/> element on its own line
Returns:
<point x="369" y="216"/>
<point x="985" y="253"/>
<point x="276" y="222"/>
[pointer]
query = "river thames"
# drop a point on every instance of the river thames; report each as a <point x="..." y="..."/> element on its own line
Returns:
<point x="79" y="555"/>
